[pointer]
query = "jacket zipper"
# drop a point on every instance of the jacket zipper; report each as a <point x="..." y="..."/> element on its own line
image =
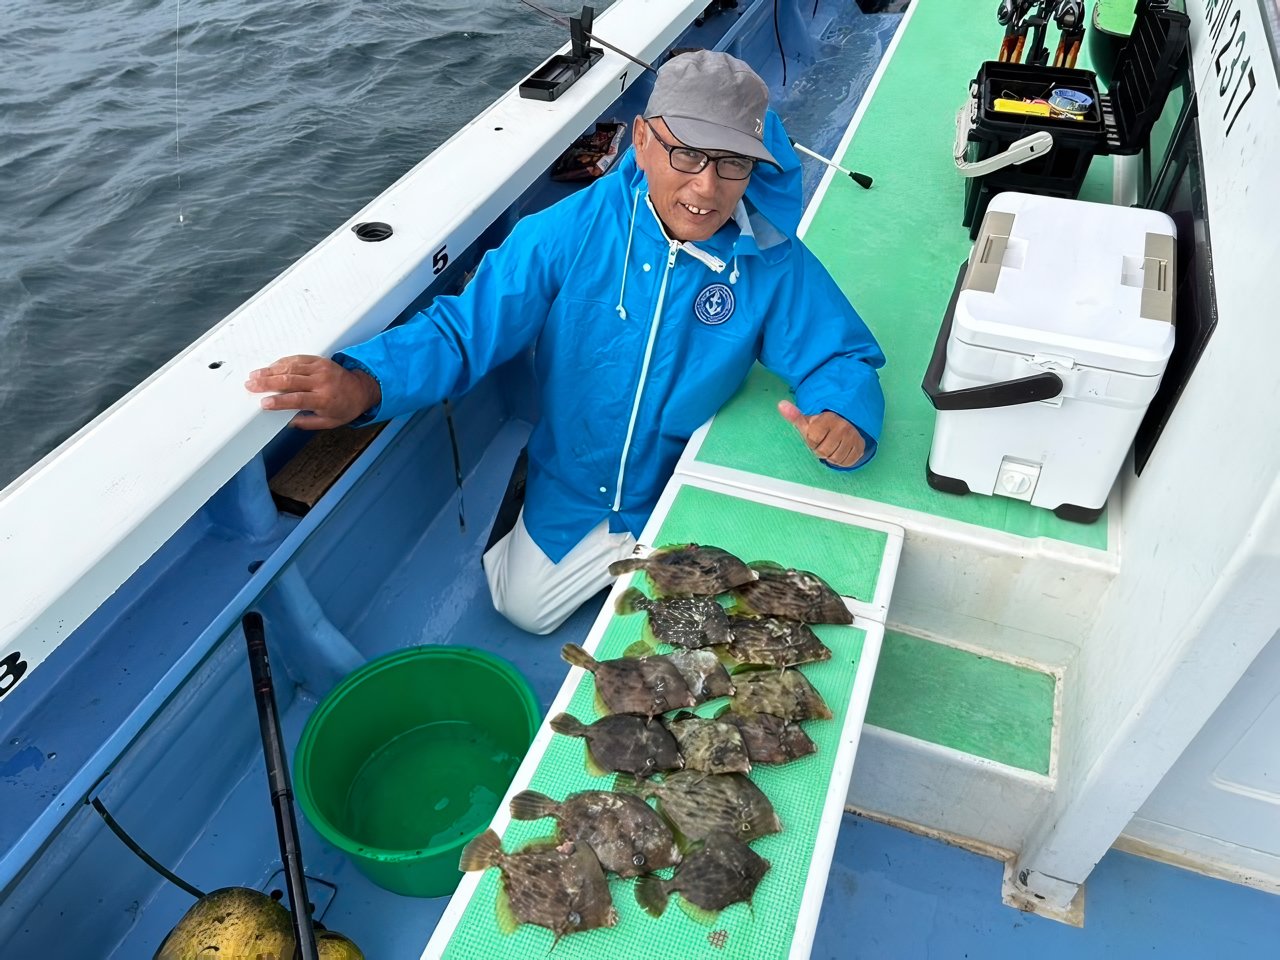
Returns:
<point x="673" y="249"/>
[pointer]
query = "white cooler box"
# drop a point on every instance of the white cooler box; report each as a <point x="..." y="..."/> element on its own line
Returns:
<point x="1053" y="345"/>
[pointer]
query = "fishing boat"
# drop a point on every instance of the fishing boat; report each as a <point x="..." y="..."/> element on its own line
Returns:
<point x="1054" y="735"/>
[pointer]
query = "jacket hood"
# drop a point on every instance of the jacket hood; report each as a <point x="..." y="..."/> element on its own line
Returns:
<point x="774" y="199"/>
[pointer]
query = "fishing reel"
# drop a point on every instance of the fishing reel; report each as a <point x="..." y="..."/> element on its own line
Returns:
<point x="1022" y="17"/>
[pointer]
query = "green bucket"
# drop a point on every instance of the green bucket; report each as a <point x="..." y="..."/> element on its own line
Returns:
<point x="407" y="759"/>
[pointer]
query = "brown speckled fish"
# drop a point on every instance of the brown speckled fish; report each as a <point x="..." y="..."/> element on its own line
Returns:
<point x="792" y="595"/>
<point x="627" y="835"/>
<point x="699" y="804"/>
<point x="688" y="569"/>
<point x="722" y="871"/>
<point x="624" y="743"/>
<point x="774" y="642"/>
<point x="770" y="739"/>
<point x="561" y="888"/>
<point x="645" y="685"/>
<point x="786" y="694"/>
<point x="709" y="745"/>
<point x="689" y="622"/>
<point x="703" y="672"/>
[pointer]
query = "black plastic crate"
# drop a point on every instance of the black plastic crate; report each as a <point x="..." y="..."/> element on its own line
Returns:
<point x="1118" y="122"/>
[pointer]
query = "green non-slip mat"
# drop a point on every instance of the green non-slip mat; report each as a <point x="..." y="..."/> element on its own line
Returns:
<point x="895" y="250"/>
<point x="955" y="698"/>
<point x="761" y="931"/>
<point x="846" y="556"/>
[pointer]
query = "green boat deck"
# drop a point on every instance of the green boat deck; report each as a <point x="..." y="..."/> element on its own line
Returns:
<point x="894" y="251"/>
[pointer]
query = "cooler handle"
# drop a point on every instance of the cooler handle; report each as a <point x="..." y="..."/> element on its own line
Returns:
<point x="1007" y="393"/>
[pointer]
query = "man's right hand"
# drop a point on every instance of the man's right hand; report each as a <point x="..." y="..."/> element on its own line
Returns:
<point x="327" y="393"/>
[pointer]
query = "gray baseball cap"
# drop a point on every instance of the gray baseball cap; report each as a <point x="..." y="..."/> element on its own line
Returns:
<point x="712" y="101"/>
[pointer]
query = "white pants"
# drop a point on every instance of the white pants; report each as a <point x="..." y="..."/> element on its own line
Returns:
<point x="538" y="595"/>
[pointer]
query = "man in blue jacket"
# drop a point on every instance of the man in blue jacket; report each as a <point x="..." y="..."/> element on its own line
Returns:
<point x="647" y="297"/>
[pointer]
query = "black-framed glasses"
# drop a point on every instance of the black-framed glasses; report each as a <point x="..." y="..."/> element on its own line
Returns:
<point x="689" y="160"/>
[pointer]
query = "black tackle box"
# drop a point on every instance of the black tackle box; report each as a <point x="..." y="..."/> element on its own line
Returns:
<point x="1118" y="122"/>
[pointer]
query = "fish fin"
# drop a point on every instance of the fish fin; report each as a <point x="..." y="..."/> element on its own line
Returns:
<point x="569" y="726"/>
<point x="651" y="894"/>
<point x="641" y="648"/>
<point x="531" y="805"/>
<point x="683" y="842"/>
<point x="602" y="708"/>
<point x="698" y="914"/>
<point x="625" y="783"/>
<point x="508" y="922"/>
<point x="540" y="843"/>
<point x="593" y="765"/>
<point x="578" y="657"/>
<point x="630" y="601"/>
<point x="765" y="823"/>
<point x="727" y="659"/>
<point x="483" y="852"/>
<point x="770" y="566"/>
<point x="739" y="608"/>
<point x="619" y="567"/>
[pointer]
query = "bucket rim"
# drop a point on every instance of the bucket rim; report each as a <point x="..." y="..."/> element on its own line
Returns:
<point x="323" y="825"/>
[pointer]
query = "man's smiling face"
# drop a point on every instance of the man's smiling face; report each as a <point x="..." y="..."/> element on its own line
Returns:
<point x="692" y="206"/>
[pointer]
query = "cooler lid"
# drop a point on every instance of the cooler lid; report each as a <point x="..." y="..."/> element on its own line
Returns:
<point x="1090" y="282"/>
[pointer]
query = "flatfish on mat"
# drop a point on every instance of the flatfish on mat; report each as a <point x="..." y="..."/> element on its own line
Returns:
<point x="720" y="872"/>
<point x="792" y="595"/>
<point x="624" y="743"/>
<point x="688" y="569"/>
<point x="561" y="888"/>
<point x="688" y="622"/>
<point x="770" y="739"/>
<point x="646" y="685"/>
<point x="782" y="693"/>
<point x="774" y="642"/>
<point x="699" y="804"/>
<point x="627" y="835"/>
<point x="709" y="745"/>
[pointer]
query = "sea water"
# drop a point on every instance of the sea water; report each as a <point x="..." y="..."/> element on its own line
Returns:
<point x="162" y="160"/>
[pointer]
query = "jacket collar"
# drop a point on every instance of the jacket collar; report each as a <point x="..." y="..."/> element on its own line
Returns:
<point x="747" y="233"/>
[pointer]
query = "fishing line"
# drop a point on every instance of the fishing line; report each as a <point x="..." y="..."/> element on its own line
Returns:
<point x="146" y="858"/>
<point x="177" y="130"/>
<point x="778" y="33"/>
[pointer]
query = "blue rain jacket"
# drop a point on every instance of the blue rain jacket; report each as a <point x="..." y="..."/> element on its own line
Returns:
<point x="637" y="340"/>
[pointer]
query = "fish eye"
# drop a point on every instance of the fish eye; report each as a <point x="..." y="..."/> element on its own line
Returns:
<point x="574" y="919"/>
<point x="650" y="762"/>
<point x="638" y="859"/>
<point x="744" y="827"/>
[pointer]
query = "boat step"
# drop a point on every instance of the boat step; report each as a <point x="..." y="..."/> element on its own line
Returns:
<point x="958" y="741"/>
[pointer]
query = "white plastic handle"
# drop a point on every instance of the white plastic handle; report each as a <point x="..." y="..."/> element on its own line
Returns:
<point x="1020" y="151"/>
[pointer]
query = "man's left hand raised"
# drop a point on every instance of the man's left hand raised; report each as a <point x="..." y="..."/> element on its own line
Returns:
<point x="830" y="436"/>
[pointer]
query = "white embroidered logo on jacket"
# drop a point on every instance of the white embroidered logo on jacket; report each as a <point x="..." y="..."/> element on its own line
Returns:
<point x="714" y="304"/>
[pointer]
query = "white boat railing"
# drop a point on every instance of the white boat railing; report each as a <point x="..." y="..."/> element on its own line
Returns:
<point x="79" y="523"/>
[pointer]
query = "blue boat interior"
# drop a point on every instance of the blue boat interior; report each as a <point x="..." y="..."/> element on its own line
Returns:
<point x="149" y="709"/>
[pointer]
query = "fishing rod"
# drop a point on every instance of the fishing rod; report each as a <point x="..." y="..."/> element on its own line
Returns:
<point x="278" y="778"/>
<point x="861" y="179"/>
